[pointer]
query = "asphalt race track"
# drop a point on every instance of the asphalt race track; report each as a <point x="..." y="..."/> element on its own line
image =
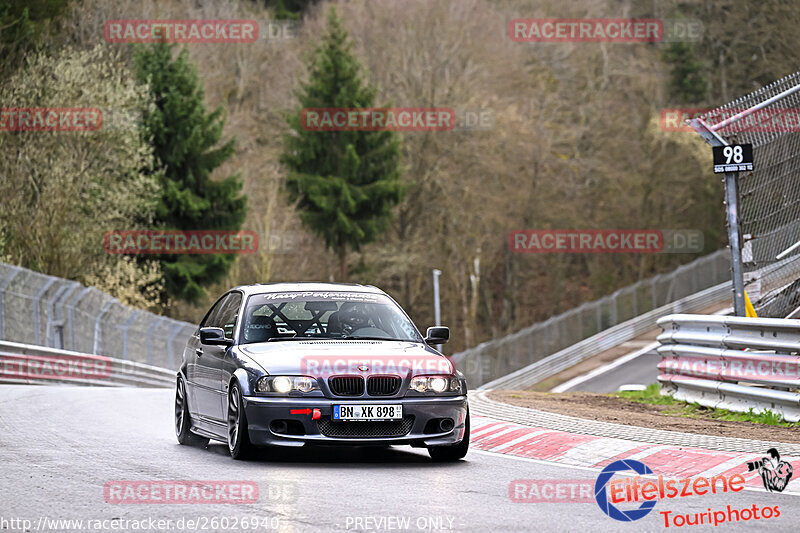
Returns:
<point x="59" y="447"/>
<point x="641" y="370"/>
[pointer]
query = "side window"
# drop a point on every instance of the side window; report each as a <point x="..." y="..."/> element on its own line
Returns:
<point x="211" y="319"/>
<point x="226" y="318"/>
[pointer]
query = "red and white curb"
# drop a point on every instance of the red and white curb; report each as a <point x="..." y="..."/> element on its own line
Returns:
<point x="588" y="451"/>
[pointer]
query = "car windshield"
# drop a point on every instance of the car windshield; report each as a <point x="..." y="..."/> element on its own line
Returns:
<point x="329" y="315"/>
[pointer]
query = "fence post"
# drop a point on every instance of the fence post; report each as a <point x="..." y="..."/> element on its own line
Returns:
<point x="97" y="332"/>
<point x="174" y="333"/>
<point x="599" y="305"/>
<point x="51" y="313"/>
<point x="613" y="309"/>
<point x="3" y="284"/>
<point x="157" y="321"/>
<point x="58" y="309"/>
<point x="653" y="294"/>
<point x="37" y="326"/>
<point x="124" y="327"/>
<point x="71" y="316"/>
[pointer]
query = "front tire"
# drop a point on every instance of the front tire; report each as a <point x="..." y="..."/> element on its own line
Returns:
<point x="454" y="452"/>
<point x="183" y="422"/>
<point x="238" y="436"/>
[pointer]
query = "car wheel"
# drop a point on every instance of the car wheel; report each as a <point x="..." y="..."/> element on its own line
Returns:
<point x="183" y="422"/>
<point x="453" y="452"/>
<point x="238" y="437"/>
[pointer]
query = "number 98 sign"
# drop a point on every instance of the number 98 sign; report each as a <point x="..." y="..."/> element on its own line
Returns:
<point x="733" y="158"/>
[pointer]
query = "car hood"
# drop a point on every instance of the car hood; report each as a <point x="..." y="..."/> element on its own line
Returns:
<point x="323" y="358"/>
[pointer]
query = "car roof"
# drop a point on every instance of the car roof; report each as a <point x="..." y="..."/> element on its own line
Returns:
<point x="262" y="288"/>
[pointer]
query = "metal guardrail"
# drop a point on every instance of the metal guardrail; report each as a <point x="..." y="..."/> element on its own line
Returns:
<point x="37" y="365"/>
<point x="735" y="363"/>
<point x="532" y="374"/>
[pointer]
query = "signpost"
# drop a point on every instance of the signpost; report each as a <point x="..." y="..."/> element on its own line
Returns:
<point x="731" y="205"/>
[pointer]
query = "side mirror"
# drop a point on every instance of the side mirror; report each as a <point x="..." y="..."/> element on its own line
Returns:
<point x="437" y="335"/>
<point x="214" y="336"/>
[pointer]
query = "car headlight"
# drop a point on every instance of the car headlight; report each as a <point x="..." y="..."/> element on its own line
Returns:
<point x="305" y="384"/>
<point x="286" y="384"/>
<point x="419" y="383"/>
<point x="434" y="384"/>
<point x="438" y="384"/>
<point x="282" y="384"/>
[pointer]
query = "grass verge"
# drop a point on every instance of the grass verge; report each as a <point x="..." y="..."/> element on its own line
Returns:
<point x="652" y="395"/>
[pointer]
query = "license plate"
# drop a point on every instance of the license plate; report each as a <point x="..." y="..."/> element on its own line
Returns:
<point x="367" y="412"/>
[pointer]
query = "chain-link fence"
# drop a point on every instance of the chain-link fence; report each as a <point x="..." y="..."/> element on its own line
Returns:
<point x="58" y="313"/>
<point x="494" y="359"/>
<point x="768" y="198"/>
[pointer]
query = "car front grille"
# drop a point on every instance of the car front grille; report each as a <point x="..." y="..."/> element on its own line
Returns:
<point x="383" y="385"/>
<point x="346" y="385"/>
<point x="364" y="429"/>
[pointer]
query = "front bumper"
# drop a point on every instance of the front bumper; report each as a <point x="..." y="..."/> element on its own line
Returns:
<point x="262" y="411"/>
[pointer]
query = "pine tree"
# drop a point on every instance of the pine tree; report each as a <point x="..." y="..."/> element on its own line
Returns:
<point x="185" y="140"/>
<point x="687" y="84"/>
<point x="345" y="183"/>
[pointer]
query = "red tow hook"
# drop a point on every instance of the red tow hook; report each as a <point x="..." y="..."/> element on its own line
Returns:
<point x="316" y="414"/>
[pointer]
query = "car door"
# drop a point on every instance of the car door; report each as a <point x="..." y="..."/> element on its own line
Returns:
<point x="197" y="382"/>
<point x="214" y="356"/>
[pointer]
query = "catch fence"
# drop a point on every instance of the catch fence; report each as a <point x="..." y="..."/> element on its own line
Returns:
<point x="43" y="310"/>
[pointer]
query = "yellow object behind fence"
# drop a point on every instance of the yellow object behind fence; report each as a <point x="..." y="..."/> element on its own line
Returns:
<point x="749" y="310"/>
